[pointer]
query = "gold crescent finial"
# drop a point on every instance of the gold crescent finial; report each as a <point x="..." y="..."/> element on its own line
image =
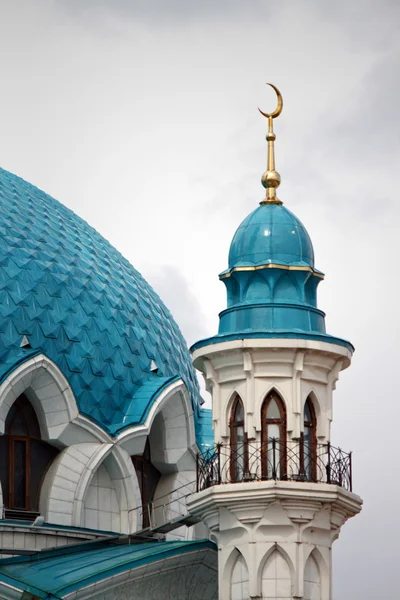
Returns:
<point x="271" y="178"/>
<point x="279" y="107"/>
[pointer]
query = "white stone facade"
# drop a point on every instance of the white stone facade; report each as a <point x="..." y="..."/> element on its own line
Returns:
<point x="252" y="368"/>
<point x="274" y="536"/>
<point x="92" y="483"/>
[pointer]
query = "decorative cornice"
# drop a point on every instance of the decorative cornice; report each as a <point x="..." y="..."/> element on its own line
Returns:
<point x="279" y="338"/>
<point x="314" y="272"/>
<point x="256" y="496"/>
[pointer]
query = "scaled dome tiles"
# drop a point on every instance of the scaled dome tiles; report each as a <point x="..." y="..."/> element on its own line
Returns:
<point x="80" y="302"/>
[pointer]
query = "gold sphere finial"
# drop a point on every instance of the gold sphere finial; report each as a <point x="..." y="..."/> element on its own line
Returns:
<point x="271" y="178"/>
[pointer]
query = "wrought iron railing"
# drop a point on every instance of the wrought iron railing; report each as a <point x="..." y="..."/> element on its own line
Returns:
<point x="164" y="508"/>
<point x="275" y="460"/>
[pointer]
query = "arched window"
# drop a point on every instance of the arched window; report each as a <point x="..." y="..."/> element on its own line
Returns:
<point x="309" y="446"/>
<point x="24" y="459"/>
<point x="238" y="441"/>
<point x="148" y="476"/>
<point x="273" y="437"/>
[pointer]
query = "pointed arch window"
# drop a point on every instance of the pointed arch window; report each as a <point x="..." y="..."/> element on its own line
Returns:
<point x="237" y="441"/>
<point x="24" y="458"/>
<point x="273" y="437"/>
<point x="148" y="477"/>
<point x="309" y="442"/>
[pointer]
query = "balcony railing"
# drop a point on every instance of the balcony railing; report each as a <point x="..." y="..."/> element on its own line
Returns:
<point x="275" y="460"/>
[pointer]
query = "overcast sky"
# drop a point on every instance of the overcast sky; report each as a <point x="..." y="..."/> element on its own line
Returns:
<point x="141" y="117"/>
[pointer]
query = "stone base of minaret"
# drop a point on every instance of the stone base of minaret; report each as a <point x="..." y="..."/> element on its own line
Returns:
<point x="274" y="538"/>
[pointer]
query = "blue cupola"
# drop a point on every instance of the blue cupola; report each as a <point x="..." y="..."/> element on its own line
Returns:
<point x="271" y="280"/>
<point x="271" y="234"/>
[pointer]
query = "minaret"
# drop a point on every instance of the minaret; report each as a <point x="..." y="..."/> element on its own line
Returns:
<point x="274" y="492"/>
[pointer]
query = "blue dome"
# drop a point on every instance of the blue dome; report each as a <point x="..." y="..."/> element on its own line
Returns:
<point x="271" y="234"/>
<point x="80" y="302"/>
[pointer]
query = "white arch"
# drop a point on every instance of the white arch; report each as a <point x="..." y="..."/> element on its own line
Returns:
<point x="239" y="578"/>
<point x="65" y="482"/>
<point x="53" y="400"/>
<point x="173" y="439"/>
<point x="125" y="487"/>
<point x="68" y="479"/>
<point x="267" y="585"/>
<point x="312" y="579"/>
<point x="323" y="567"/>
<point x="229" y="563"/>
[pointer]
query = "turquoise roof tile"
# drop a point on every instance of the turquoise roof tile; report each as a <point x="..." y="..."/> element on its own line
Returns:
<point x="63" y="571"/>
<point x="82" y="304"/>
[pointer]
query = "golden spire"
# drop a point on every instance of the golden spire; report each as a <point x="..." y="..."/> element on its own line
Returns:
<point x="271" y="178"/>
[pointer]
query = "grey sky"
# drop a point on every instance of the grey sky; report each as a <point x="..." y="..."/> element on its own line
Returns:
<point x="141" y="117"/>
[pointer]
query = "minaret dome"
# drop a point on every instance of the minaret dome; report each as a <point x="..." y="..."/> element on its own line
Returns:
<point x="271" y="279"/>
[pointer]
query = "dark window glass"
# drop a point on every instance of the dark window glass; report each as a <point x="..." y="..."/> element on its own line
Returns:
<point x="18" y="426"/>
<point x="19" y="451"/>
<point x="42" y="455"/>
<point x="24" y="457"/>
<point x="4" y="467"/>
<point x="307" y="412"/>
<point x="22" y="420"/>
<point x="238" y="442"/>
<point x="309" y="442"/>
<point x="148" y="476"/>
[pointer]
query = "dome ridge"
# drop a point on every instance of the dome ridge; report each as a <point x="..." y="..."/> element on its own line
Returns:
<point x="80" y="302"/>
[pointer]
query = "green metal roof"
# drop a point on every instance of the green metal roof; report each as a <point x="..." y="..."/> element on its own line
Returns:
<point x="55" y="573"/>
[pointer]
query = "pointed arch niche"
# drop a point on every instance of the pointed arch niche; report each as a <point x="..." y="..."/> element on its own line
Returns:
<point x="25" y="458"/>
<point x="240" y="579"/>
<point x="273" y="437"/>
<point x="238" y="445"/>
<point x="276" y="578"/>
<point x="312" y="580"/>
<point x="148" y="477"/>
<point x="309" y="441"/>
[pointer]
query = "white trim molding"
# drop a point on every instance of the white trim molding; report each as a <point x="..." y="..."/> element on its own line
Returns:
<point x="53" y="400"/>
<point x="174" y="442"/>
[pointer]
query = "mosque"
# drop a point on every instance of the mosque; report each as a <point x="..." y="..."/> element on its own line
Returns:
<point x="116" y="482"/>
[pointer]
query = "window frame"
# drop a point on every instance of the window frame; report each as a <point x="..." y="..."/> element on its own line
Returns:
<point x="35" y="470"/>
<point x="313" y="445"/>
<point x="144" y="469"/>
<point x="282" y="422"/>
<point x="11" y="441"/>
<point x="233" y="427"/>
